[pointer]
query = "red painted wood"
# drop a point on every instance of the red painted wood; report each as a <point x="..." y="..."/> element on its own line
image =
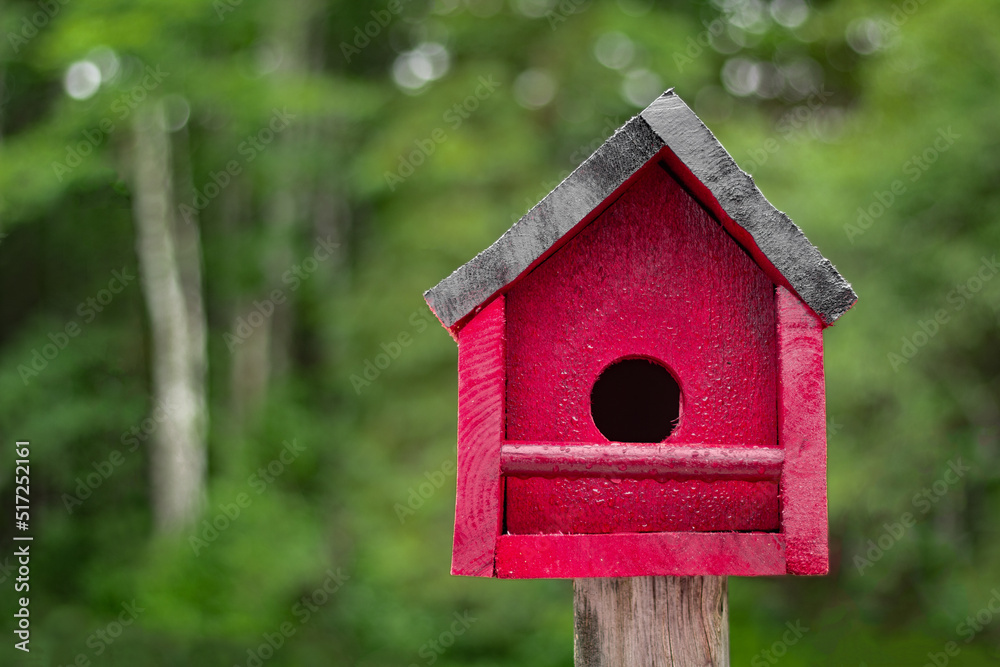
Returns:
<point x="631" y="555"/>
<point x="479" y="501"/>
<point x="653" y="276"/>
<point x="680" y="171"/>
<point x="802" y="433"/>
<point x="618" y="460"/>
<point x="541" y="493"/>
<point x="638" y="506"/>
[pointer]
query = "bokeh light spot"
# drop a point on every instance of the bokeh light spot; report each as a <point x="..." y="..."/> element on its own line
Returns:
<point x="641" y="86"/>
<point x="789" y="13"/>
<point x="82" y="80"/>
<point x="614" y="50"/>
<point x="413" y="69"/>
<point x="534" y="88"/>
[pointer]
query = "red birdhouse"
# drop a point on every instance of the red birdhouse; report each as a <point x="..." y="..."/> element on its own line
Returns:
<point x="640" y="372"/>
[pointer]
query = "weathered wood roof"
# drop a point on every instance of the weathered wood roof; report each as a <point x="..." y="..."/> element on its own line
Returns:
<point x="702" y="165"/>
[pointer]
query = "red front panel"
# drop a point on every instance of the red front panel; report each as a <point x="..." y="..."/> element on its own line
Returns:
<point x="638" y="506"/>
<point x="654" y="276"/>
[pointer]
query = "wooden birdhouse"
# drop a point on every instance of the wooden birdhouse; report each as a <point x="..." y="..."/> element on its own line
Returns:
<point x="640" y="372"/>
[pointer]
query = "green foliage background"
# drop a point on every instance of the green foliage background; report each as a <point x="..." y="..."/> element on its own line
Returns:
<point x="895" y="423"/>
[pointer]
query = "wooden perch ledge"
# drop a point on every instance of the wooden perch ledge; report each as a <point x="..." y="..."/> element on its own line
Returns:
<point x="578" y="459"/>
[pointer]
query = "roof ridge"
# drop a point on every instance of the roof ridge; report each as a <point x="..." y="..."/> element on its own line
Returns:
<point x="731" y="194"/>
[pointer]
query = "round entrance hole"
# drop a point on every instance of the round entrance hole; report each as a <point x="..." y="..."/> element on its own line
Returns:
<point x="635" y="400"/>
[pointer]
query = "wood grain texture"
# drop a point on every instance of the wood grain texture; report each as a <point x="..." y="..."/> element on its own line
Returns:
<point x="653" y="277"/>
<point x="802" y="432"/>
<point x="638" y="554"/>
<point x="717" y="181"/>
<point x="479" y="499"/>
<point x="651" y="622"/>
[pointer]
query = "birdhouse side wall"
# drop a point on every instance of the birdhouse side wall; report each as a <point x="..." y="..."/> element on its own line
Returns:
<point x="479" y="497"/>
<point x="802" y="433"/>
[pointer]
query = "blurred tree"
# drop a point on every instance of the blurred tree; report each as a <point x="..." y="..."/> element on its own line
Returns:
<point x="170" y="271"/>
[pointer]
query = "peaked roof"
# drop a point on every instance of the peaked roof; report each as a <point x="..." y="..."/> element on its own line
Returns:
<point x="703" y="166"/>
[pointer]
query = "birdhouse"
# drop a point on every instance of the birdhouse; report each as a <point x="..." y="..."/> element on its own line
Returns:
<point x="640" y="372"/>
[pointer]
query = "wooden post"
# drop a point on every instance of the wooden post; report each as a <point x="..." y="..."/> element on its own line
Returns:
<point x="651" y="622"/>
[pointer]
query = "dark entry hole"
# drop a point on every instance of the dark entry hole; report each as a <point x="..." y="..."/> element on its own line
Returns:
<point x="635" y="400"/>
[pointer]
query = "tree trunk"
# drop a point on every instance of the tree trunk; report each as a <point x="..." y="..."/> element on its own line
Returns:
<point x="171" y="281"/>
<point x="287" y="209"/>
<point x="266" y="351"/>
